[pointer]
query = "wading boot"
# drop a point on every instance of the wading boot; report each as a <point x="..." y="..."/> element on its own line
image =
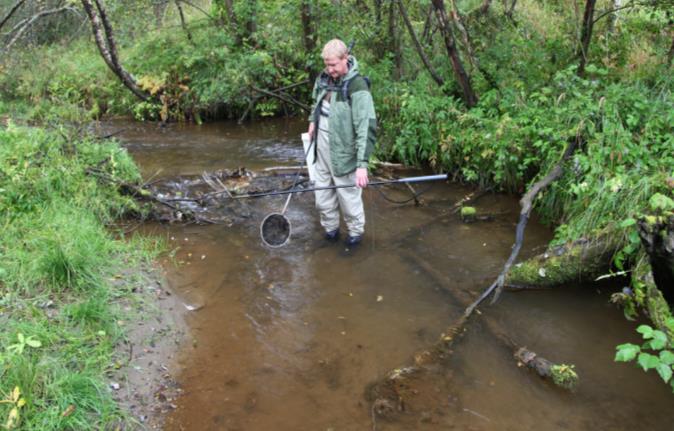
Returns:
<point x="353" y="241"/>
<point x="332" y="236"/>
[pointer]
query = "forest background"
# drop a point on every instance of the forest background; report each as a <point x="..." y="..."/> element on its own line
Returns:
<point x="491" y="92"/>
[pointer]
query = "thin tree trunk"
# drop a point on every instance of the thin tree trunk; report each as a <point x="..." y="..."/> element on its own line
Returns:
<point x="670" y="54"/>
<point x="428" y="24"/>
<point x="308" y="27"/>
<point x="106" y="46"/>
<point x="485" y="7"/>
<point x="394" y="40"/>
<point x="183" y="23"/>
<point x="418" y="46"/>
<point x="469" y="96"/>
<point x="586" y="35"/>
<point x="377" y="12"/>
<point x="11" y="12"/>
<point x="509" y="10"/>
<point x="458" y="22"/>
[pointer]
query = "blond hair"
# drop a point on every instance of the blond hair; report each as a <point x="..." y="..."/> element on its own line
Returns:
<point x="334" y="48"/>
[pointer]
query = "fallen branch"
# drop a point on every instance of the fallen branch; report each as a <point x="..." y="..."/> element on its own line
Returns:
<point x="526" y="203"/>
<point x="283" y="97"/>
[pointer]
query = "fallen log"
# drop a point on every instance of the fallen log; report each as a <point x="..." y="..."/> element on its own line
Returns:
<point x="579" y="261"/>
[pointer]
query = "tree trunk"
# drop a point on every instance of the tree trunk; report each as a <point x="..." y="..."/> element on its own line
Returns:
<point x="670" y="54"/>
<point x="107" y="47"/>
<point x="377" y="12"/>
<point x="418" y="46"/>
<point x="308" y="28"/>
<point x="428" y="24"/>
<point x="394" y="41"/>
<point x="469" y="96"/>
<point x="586" y="35"/>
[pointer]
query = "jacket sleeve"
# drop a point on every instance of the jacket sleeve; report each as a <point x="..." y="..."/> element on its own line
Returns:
<point x="364" y="125"/>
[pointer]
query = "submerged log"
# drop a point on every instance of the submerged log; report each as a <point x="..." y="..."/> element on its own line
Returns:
<point x="393" y="394"/>
<point x="580" y="261"/>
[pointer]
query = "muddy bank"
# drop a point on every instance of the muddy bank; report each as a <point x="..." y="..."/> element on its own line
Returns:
<point x="142" y="380"/>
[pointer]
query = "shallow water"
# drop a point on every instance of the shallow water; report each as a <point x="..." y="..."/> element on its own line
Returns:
<point x="289" y="339"/>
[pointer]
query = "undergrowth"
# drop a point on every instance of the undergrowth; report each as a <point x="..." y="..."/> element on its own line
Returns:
<point x="59" y="306"/>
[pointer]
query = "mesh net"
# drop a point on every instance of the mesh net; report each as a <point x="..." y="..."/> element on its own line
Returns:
<point x="275" y="230"/>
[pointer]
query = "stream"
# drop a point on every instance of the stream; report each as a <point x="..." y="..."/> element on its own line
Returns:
<point x="290" y="338"/>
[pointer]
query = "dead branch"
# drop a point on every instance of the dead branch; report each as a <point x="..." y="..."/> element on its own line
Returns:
<point x="29" y="21"/>
<point x="526" y="203"/>
<point x="283" y="97"/>
<point x="455" y="330"/>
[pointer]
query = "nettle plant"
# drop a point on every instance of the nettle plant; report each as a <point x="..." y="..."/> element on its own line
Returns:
<point x="655" y="353"/>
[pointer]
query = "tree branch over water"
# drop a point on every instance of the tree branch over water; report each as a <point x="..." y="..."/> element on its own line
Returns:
<point x="105" y="41"/>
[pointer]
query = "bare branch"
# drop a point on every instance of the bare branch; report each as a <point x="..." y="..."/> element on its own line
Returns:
<point x="30" y="21"/>
<point x="11" y="12"/>
<point x="188" y="3"/>
<point x="610" y="11"/>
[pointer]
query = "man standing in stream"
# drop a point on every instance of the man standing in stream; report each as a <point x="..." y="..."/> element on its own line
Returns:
<point x="342" y="125"/>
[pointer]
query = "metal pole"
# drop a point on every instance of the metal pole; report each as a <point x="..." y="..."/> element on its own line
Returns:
<point x="374" y="183"/>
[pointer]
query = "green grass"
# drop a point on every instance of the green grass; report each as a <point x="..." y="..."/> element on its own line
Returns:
<point x="59" y="271"/>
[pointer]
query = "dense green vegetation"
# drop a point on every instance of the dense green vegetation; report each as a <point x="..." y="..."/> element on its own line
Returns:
<point x="534" y="95"/>
<point x="60" y="279"/>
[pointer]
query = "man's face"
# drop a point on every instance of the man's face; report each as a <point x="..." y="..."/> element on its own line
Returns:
<point x="336" y="67"/>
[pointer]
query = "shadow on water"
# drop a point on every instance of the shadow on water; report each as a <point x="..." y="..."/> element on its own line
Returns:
<point x="289" y="338"/>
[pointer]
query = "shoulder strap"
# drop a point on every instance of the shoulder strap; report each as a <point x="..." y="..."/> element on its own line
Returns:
<point x="347" y="92"/>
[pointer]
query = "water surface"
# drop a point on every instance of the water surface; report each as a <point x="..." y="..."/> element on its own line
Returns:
<point x="289" y="339"/>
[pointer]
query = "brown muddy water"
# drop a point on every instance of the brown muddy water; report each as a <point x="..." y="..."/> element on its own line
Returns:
<point x="289" y="339"/>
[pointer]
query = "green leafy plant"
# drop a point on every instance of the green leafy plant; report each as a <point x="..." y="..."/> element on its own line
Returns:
<point x="23" y="341"/>
<point x="654" y="354"/>
<point x="564" y="375"/>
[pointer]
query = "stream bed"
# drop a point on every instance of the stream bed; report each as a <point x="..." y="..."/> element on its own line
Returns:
<point x="290" y="338"/>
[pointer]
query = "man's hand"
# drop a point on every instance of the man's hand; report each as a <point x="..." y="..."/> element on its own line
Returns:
<point x="312" y="130"/>
<point x="361" y="177"/>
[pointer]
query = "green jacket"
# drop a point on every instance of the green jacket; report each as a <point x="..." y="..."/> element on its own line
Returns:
<point x="352" y="126"/>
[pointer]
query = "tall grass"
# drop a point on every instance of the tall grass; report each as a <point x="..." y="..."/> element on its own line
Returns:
<point x="57" y="258"/>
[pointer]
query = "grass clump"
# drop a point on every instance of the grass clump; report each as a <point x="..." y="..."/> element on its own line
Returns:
<point x="58" y="305"/>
